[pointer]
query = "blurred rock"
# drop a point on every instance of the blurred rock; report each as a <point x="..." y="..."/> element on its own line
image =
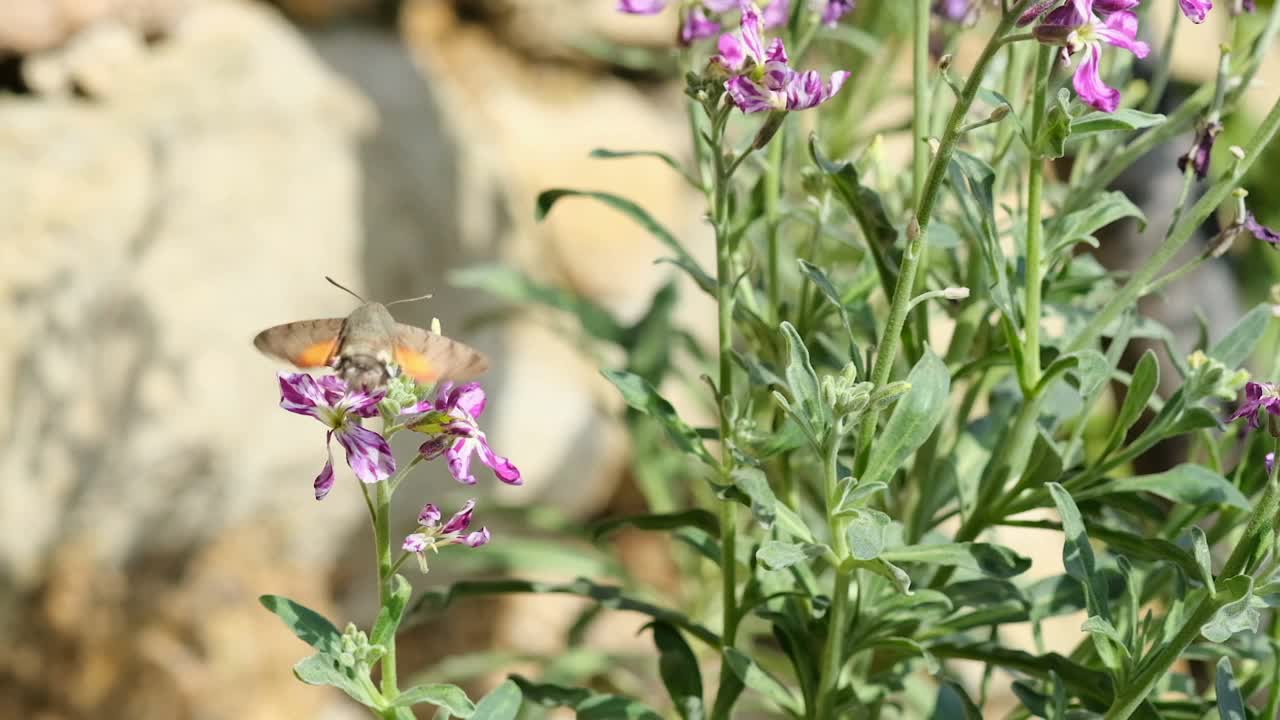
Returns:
<point x="32" y="25"/>
<point x="153" y="487"/>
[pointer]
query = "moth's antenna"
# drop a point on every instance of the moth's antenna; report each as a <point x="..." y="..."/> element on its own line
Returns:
<point x="412" y="299"/>
<point x="339" y="285"/>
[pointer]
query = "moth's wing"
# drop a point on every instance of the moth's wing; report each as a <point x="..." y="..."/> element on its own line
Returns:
<point x="430" y="358"/>
<point x="306" y="343"/>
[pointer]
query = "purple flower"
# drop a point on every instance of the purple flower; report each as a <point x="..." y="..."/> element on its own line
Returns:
<point x="761" y="79"/>
<point x="1195" y="10"/>
<point x="1084" y="25"/>
<point x="696" y="26"/>
<point x="776" y="13"/>
<point x="450" y="422"/>
<point x="952" y="10"/>
<point x="430" y="535"/>
<point x="833" y="10"/>
<point x="329" y="401"/>
<point x="1249" y="6"/>
<point x="1257" y="396"/>
<point x="641" y="7"/>
<point x="1270" y="461"/>
<point x="1200" y="152"/>
<point x="1260" y="231"/>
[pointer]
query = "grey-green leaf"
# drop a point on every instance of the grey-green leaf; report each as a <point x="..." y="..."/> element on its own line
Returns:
<point x="1230" y="703"/>
<point x="915" y="416"/>
<point x="1122" y="119"/>
<point x="778" y="555"/>
<point x="697" y="518"/>
<point x="310" y="626"/>
<point x="866" y="532"/>
<point x="1186" y="483"/>
<point x="324" y="669"/>
<point x="501" y="704"/>
<point x="1238" y="344"/>
<point x="803" y="381"/>
<point x="1146" y="377"/>
<point x="995" y="561"/>
<point x="753" y="483"/>
<point x="756" y="678"/>
<point x="390" y="615"/>
<point x="640" y="395"/>
<point x="450" y="697"/>
<point x="678" y="667"/>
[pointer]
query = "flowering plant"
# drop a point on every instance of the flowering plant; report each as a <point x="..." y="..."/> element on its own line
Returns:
<point x="915" y="368"/>
<point x="447" y="419"/>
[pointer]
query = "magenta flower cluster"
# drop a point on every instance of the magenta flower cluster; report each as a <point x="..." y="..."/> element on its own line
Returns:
<point x="702" y="18"/>
<point x="760" y="78"/>
<point x="1258" y="398"/>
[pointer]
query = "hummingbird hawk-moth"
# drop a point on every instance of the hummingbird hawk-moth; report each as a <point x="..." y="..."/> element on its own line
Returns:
<point x="368" y="347"/>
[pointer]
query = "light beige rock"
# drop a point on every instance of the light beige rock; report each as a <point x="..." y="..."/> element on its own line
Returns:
<point x="33" y="25"/>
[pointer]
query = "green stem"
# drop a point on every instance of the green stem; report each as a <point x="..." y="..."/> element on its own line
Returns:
<point x="833" y="649"/>
<point x="772" y="193"/>
<point x="1261" y="524"/>
<point x="920" y="117"/>
<point x="1178" y="236"/>
<point x="386" y="570"/>
<point x="1035" y="229"/>
<point x="919" y="225"/>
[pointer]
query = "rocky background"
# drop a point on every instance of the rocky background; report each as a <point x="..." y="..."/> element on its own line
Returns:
<point x="176" y="175"/>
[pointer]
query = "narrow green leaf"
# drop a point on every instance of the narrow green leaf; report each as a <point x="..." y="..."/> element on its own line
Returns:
<point x="953" y="703"/>
<point x="501" y="704"/>
<point x="548" y="198"/>
<point x="608" y="596"/>
<point x="803" y="382"/>
<point x="828" y="290"/>
<point x="756" y="678"/>
<point x="518" y="288"/>
<point x="1238" y="344"/>
<point x="697" y="518"/>
<point x="1186" y="483"/>
<point x="390" y="615"/>
<point x="1239" y="614"/>
<point x="450" y="697"/>
<point x="588" y="704"/>
<point x="1077" y="553"/>
<point x="678" y="667"/>
<point x="604" y="154"/>
<point x="995" y="561"/>
<point x="1051" y="142"/>
<point x="790" y="522"/>
<point x="1230" y="703"/>
<point x="1204" y="559"/>
<point x="753" y="483"/>
<point x="1122" y="119"/>
<point x="1082" y="225"/>
<point x="1146" y="377"/>
<point x="640" y="395"/>
<point x="915" y="416"/>
<point x="310" y="626"/>
<point x="778" y="555"/>
<point x="907" y="646"/>
<point x="867" y="209"/>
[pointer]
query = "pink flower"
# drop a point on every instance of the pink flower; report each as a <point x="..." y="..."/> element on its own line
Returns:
<point x="762" y="81"/>
<point x="329" y="401"/>
<point x="1195" y="10"/>
<point x="430" y="535"/>
<point x="1084" y="26"/>
<point x="1257" y="397"/>
<point x="453" y="431"/>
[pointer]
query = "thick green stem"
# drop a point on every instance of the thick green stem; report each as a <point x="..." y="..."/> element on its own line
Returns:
<point x="1035" y="230"/>
<point x="386" y="569"/>
<point x="1178" y="235"/>
<point x="772" y="192"/>
<point x="918" y="228"/>
<point x="920" y="117"/>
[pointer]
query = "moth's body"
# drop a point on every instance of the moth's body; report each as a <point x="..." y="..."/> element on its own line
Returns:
<point x="364" y="355"/>
<point x="368" y="347"/>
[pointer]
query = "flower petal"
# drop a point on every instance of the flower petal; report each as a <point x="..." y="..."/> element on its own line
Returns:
<point x="1121" y="30"/>
<point x="776" y="13"/>
<point x="415" y="543"/>
<point x="459" y="458"/>
<point x="733" y="54"/>
<point x="430" y="515"/>
<point x="751" y="97"/>
<point x="469" y="398"/>
<point x="368" y="453"/>
<point x="641" y="7"/>
<point x="806" y="90"/>
<point x="833" y="10"/>
<point x="1260" y="231"/>
<point x="300" y="393"/>
<point x="324" y="481"/>
<point x="502" y="467"/>
<point x="460" y="519"/>
<point x="477" y="538"/>
<point x="1195" y="10"/>
<point x="697" y="26"/>
<point x="1088" y="82"/>
<point x="752" y="26"/>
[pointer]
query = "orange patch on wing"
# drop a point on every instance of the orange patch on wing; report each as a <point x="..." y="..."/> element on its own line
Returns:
<point x="316" y="355"/>
<point x="415" y="365"/>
